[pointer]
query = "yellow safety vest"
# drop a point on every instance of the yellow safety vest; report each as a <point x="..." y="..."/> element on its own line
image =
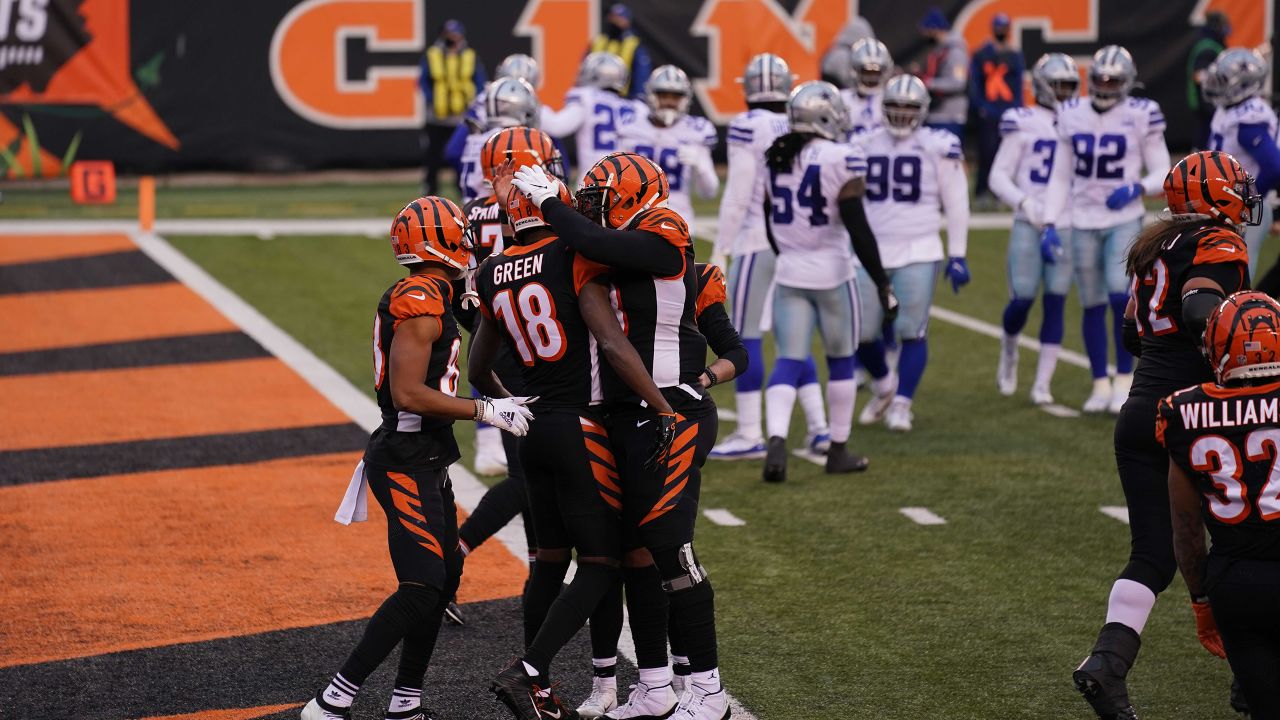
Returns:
<point x="624" y="48"/>
<point x="452" y="80"/>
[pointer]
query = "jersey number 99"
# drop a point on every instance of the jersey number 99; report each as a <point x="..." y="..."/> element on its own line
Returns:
<point x="898" y="178"/>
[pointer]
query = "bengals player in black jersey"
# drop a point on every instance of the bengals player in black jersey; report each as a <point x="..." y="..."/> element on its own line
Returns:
<point x="406" y="464"/>
<point x="645" y="258"/>
<point x="1223" y="440"/>
<point x="1182" y="267"/>
<point x="535" y="301"/>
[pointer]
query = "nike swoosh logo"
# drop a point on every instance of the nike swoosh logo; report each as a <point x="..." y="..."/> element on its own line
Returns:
<point x="417" y="296"/>
<point x="553" y="716"/>
<point x="641" y="423"/>
<point x="668" y="226"/>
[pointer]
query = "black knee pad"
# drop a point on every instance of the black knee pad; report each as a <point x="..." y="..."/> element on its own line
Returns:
<point x="415" y="603"/>
<point x="679" y="568"/>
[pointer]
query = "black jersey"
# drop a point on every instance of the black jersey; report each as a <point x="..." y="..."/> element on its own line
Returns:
<point x="1228" y="441"/>
<point x="1171" y="356"/>
<point x="486" y="222"/>
<point x="407" y="441"/>
<point x="531" y="293"/>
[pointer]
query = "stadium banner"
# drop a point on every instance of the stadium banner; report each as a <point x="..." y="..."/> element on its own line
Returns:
<point x="158" y="86"/>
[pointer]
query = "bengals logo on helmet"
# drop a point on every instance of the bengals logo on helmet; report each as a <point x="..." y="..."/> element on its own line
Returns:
<point x="524" y="215"/>
<point x="1213" y="183"/>
<point x="621" y="186"/>
<point x="1242" y="337"/>
<point x="522" y="146"/>
<point x="431" y="229"/>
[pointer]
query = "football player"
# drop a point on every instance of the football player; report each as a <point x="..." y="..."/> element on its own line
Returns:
<point x="816" y="222"/>
<point x="1244" y="126"/>
<point x="914" y="180"/>
<point x="508" y="102"/>
<point x="1019" y="175"/>
<point x="536" y="302"/>
<point x="872" y="66"/>
<point x="647" y="254"/>
<point x="678" y="142"/>
<point x="1104" y="142"/>
<point x="596" y="107"/>
<point x="766" y="82"/>
<point x="1182" y="267"/>
<point x="406" y="464"/>
<point x="1223" y="440"/>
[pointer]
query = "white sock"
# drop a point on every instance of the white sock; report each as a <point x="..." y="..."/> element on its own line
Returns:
<point x="779" y="401"/>
<point x="708" y="680"/>
<point x="814" y="412"/>
<point x="1008" y="343"/>
<point x="404" y="699"/>
<point x="886" y="385"/>
<point x="841" y="396"/>
<point x="488" y="438"/>
<point x="656" y="677"/>
<point x="749" y="413"/>
<point x="1130" y="604"/>
<point x="340" y="692"/>
<point x="1047" y="363"/>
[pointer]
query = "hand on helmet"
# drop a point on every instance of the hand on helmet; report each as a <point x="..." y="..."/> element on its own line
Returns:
<point x="536" y="184"/>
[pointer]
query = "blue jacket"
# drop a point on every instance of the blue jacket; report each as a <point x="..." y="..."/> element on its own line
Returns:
<point x="995" y="81"/>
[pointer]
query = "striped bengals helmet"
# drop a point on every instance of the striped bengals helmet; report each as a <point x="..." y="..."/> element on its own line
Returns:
<point x="524" y="215"/>
<point x="431" y="229"/>
<point x="620" y="187"/>
<point x="1242" y="337"/>
<point x="1212" y="183"/>
<point x="522" y="146"/>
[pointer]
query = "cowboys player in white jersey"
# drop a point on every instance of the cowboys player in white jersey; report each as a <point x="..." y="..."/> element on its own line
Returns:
<point x="596" y="106"/>
<point x="1104" y="143"/>
<point x="915" y="175"/>
<point x="1019" y="177"/>
<point x="766" y="82"/>
<point x="871" y="66"/>
<point x="678" y="142"/>
<point x="1244" y="126"/>
<point x="508" y="102"/>
<point x="815" y="218"/>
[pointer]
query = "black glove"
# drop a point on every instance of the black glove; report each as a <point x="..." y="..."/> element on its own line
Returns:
<point x="665" y="435"/>
<point x="888" y="303"/>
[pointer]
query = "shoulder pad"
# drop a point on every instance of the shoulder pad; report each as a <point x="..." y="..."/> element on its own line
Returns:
<point x="416" y="296"/>
<point x="584" y="271"/>
<point x="1253" y="110"/>
<point x="712" y="288"/>
<point x="1219" y="245"/>
<point x="1011" y="121"/>
<point x="944" y="143"/>
<point x="665" y="222"/>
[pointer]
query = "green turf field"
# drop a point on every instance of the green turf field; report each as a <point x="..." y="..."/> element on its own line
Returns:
<point x="831" y="603"/>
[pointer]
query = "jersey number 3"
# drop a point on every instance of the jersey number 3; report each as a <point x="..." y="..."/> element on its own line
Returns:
<point x="1233" y="505"/>
<point x="530" y="319"/>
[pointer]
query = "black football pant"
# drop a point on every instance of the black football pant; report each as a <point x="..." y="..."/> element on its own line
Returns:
<point x="1245" y="597"/>
<point x="1144" y="474"/>
<point x="434" y="139"/>
<point x="422" y="536"/>
<point x="500" y="504"/>
<point x="988" y="144"/>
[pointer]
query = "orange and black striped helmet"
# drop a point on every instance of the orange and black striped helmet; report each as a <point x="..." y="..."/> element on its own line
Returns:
<point x="522" y="146"/>
<point x="620" y="187"/>
<point x="1212" y="183"/>
<point x="524" y="215"/>
<point x="1242" y="337"/>
<point x="431" y="229"/>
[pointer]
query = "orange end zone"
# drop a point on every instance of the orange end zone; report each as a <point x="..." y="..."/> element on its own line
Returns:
<point x="153" y="559"/>
<point x="105" y="406"/>
<point x="46" y="320"/>
<point x="33" y="248"/>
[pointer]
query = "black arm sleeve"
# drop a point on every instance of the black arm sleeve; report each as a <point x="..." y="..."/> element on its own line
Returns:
<point x="1197" y="306"/>
<point x="715" y="326"/>
<point x="1132" y="340"/>
<point x="864" y="241"/>
<point x="622" y="249"/>
<point x="768" y="223"/>
<point x="1232" y="277"/>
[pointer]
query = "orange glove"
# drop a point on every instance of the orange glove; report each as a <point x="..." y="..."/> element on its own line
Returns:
<point x="1207" y="629"/>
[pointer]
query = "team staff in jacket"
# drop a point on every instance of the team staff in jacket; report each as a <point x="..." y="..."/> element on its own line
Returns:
<point x="995" y="85"/>
<point x="945" y="74"/>
<point x="618" y="38"/>
<point x="450" y="77"/>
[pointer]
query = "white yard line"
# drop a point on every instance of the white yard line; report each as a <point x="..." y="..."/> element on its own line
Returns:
<point x="1061" y="411"/>
<point x="922" y="516"/>
<point x="811" y="456"/>
<point x="720" y="516"/>
<point x="726" y="414"/>
<point x="1119" y="512"/>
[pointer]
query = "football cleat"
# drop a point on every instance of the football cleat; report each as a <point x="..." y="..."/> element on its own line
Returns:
<point x="315" y="711"/>
<point x="1040" y="395"/>
<point x="526" y="699"/>
<point x="1007" y="369"/>
<point x="698" y="704"/>
<point x="898" y="417"/>
<point x="491" y="458"/>
<point x="1101" y="677"/>
<point x="1237" y="699"/>
<point x="646" y="703"/>
<point x="818" y="443"/>
<point x="775" y="461"/>
<point x="1120" y="392"/>
<point x="453" y="614"/>
<point x="1100" y="399"/>
<point x="603" y="698"/>
<point x="882" y="393"/>
<point x="840" y="460"/>
<point x="738" y="447"/>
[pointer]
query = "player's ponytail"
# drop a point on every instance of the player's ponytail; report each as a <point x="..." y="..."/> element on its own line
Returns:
<point x="782" y="153"/>
<point x="1152" y="239"/>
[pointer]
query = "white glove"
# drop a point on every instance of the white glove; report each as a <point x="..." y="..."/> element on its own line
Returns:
<point x="692" y="156"/>
<point x="536" y="184"/>
<point x="1033" y="209"/>
<point x="470" y="298"/>
<point x="508" y="413"/>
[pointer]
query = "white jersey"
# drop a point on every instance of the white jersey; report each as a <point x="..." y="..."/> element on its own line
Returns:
<point x="814" y="251"/>
<point x="1107" y="151"/>
<point x="1023" y="165"/>
<point x="599" y="113"/>
<point x="1224" y="131"/>
<point x="741" y="207"/>
<point x="865" y="113"/>
<point x="904" y="192"/>
<point x="669" y="147"/>
<point x="471" y="175"/>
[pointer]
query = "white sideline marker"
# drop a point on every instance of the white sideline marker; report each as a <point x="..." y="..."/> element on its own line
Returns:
<point x="1119" y="512"/>
<point x="720" y="516"/>
<point x="811" y="456"/>
<point x="922" y="516"/>
<point x="726" y="414"/>
<point x="1061" y="411"/>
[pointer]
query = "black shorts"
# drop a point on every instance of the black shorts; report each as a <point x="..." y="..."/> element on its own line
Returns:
<point x="1244" y="595"/>
<point x="569" y="472"/>
<point x="422" y="523"/>
<point x="659" y="509"/>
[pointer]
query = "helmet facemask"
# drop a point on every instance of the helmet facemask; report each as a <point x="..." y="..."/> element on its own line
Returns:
<point x="902" y="119"/>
